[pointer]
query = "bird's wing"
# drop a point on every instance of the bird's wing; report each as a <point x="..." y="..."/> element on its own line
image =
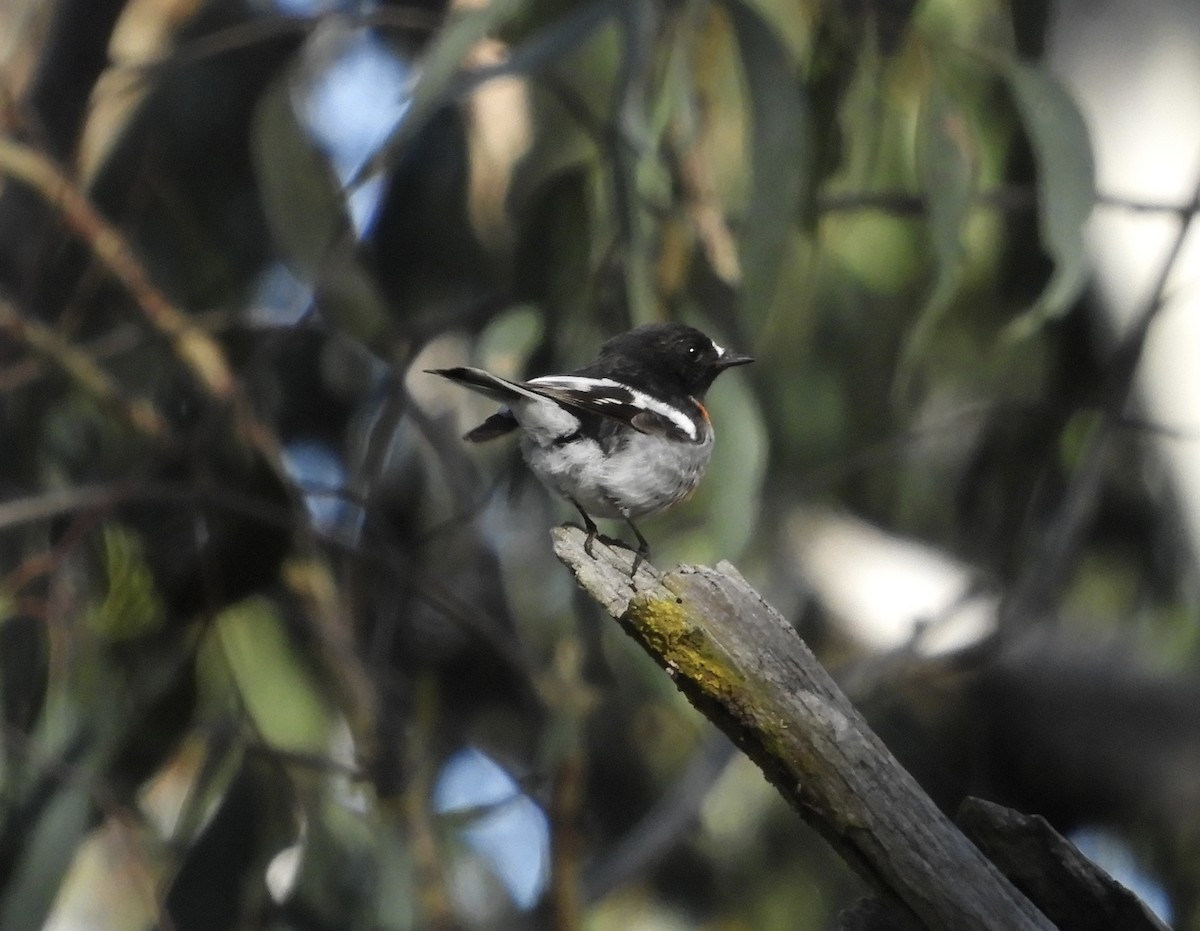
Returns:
<point x="495" y="387"/>
<point x="541" y="414"/>
<point x="611" y="399"/>
<point x="581" y="394"/>
<point x="500" y="423"/>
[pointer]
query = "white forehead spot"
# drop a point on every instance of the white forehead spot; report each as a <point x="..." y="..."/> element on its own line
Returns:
<point x="720" y="349"/>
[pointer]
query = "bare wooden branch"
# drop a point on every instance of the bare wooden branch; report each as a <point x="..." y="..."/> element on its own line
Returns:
<point x="745" y="668"/>
<point x="1048" y="868"/>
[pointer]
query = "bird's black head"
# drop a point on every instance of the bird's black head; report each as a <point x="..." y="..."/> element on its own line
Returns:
<point x="666" y="359"/>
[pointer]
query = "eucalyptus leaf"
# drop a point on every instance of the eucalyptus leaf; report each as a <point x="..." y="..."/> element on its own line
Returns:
<point x="947" y="163"/>
<point x="780" y="153"/>
<point x="350" y="298"/>
<point x="1066" y="186"/>
<point x="306" y="210"/>
<point x="732" y="493"/>
<point x="279" y="692"/>
<point x="440" y="67"/>
<point x="301" y="196"/>
<point x="30" y="891"/>
<point x="131" y="607"/>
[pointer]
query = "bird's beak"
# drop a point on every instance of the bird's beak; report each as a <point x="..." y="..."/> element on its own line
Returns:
<point x="728" y="360"/>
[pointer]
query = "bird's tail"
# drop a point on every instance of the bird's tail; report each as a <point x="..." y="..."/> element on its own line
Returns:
<point x="499" y="424"/>
<point x="496" y="388"/>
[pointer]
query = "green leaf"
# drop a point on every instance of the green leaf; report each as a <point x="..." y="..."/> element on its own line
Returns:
<point x="947" y="163"/>
<point x="1066" y="187"/>
<point x="131" y="606"/>
<point x="441" y="64"/>
<point x="306" y="210"/>
<point x="278" y="690"/>
<point x="350" y="298"/>
<point x="730" y="496"/>
<point x="301" y="196"/>
<point x="780" y="153"/>
<point x="442" y="77"/>
<point x="948" y="166"/>
<point x="33" y="885"/>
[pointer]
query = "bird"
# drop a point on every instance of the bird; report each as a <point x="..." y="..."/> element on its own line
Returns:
<point x="625" y="435"/>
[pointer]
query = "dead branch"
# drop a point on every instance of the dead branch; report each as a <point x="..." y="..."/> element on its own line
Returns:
<point x="745" y="668"/>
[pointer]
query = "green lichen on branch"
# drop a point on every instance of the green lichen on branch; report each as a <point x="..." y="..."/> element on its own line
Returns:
<point x="682" y="646"/>
<point x="712" y="679"/>
<point x="746" y="669"/>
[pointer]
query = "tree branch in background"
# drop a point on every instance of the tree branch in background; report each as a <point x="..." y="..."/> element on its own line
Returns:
<point x="1060" y="545"/>
<point x="195" y="348"/>
<point x="745" y="668"/>
<point x="202" y="355"/>
<point x="1048" y="868"/>
<point x="83" y="370"/>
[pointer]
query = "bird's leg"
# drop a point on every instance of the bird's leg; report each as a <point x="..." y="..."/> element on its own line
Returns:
<point x="643" y="549"/>
<point x="589" y="525"/>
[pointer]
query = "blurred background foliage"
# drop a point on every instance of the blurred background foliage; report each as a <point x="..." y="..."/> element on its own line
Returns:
<point x="279" y="651"/>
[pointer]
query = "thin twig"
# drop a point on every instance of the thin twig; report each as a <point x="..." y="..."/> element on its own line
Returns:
<point x="566" y="841"/>
<point x="391" y="559"/>
<point x="1060" y="544"/>
<point x="82" y="369"/>
<point x="664" y="826"/>
<point x="299" y="759"/>
<point x="907" y="203"/>
<point x="432" y="894"/>
<point x="1145" y="206"/>
<point x="26" y="371"/>
<point x="264" y="29"/>
<point x="196" y="349"/>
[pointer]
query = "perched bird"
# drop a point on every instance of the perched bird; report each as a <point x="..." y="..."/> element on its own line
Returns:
<point x="625" y="435"/>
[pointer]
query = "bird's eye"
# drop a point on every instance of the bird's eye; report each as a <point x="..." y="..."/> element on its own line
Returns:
<point x="693" y="351"/>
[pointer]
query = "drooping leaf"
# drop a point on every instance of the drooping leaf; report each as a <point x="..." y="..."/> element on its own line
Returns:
<point x="131" y="607"/>
<point x="32" y="887"/>
<point x="449" y="51"/>
<point x="306" y="210"/>
<point x="350" y="298"/>
<point x="729" y="498"/>
<point x="443" y="78"/>
<point x="780" y="152"/>
<point x="279" y="692"/>
<point x="947" y="164"/>
<point x="554" y="40"/>
<point x="1066" y="184"/>
<point x="301" y="195"/>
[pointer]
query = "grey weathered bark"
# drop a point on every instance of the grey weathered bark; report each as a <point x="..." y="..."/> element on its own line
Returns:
<point x="745" y="668"/>
<point x="1067" y="886"/>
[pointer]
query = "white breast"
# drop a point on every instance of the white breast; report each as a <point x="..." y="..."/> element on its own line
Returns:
<point x="643" y="473"/>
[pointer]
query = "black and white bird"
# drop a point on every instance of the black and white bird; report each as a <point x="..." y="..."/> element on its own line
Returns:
<point x="625" y="435"/>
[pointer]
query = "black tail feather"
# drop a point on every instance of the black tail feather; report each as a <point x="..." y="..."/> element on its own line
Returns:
<point x="498" y="424"/>
<point x="495" y="387"/>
